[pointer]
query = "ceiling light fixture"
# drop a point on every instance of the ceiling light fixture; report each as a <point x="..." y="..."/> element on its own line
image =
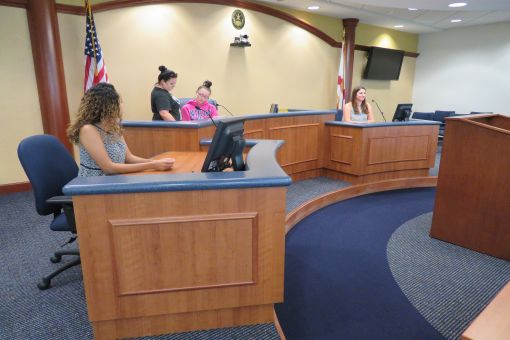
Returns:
<point x="412" y="9"/>
<point x="313" y="8"/>
<point x="398" y="26"/>
<point x="456" y="20"/>
<point x="457" y="4"/>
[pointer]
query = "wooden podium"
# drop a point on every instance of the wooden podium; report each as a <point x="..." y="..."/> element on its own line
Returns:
<point x="472" y="207"/>
<point x="182" y="250"/>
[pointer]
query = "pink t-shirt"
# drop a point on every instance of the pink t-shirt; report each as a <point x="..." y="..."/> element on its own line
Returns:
<point x="190" y="112"/>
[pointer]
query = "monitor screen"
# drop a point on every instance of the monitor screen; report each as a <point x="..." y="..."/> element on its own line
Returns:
<point x="402" y="112"/>
<point x="226" y="149"/>
<point x="383" y="64"/>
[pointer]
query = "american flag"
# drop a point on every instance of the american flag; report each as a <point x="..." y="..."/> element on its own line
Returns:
<point x="95" y="69"/>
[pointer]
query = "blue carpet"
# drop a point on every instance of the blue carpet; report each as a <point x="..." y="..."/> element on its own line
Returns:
<point x="338" y="284"/>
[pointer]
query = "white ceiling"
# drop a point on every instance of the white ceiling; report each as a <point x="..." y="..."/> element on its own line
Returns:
<point x="431" y="16"/>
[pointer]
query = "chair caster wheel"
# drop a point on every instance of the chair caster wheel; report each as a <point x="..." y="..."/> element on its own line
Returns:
<point x="44" y="284"/>
<point x="56" y="259"/>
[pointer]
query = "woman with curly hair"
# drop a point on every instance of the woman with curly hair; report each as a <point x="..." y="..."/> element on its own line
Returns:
<point x="98" y="133"/>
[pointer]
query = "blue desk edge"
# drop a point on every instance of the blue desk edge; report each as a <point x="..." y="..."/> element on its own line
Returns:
<point x="379" y="124"/>
<point x="196" y="124"/>
<point x="262" y="170"/>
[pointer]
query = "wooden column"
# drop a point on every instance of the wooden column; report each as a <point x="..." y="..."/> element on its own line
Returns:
<point x="348" y="50"/>
<point x="49" y="68"/>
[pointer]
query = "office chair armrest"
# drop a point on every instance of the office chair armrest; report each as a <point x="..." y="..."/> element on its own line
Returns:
<point x="67" y="205"/>
<point x="60" y="200"/>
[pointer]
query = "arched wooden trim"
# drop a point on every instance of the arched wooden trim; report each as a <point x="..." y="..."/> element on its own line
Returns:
<point x="106" y="6"/>
<point x="78" y="10"/>
<point x="307" y="208"/>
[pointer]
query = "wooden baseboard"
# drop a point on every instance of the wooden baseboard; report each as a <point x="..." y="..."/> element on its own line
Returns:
<point x="183" y="322"/>
<point x="15" y="187"/>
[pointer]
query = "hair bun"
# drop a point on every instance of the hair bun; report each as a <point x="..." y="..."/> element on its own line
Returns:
<point x="207" y="83"/>
<point x="162" y="68"/>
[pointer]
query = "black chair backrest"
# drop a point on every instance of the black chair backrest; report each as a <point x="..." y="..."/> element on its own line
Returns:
<point x="48" y="166"/>
<point x="439" y="116"/>
<point x="423" y="115"/>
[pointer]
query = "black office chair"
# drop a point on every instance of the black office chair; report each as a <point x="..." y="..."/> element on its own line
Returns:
<point x="49" y="166"/>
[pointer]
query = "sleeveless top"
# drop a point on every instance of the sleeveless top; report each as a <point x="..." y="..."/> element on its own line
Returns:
<point x="361" y="117"/>
<point x="115" y="147"/>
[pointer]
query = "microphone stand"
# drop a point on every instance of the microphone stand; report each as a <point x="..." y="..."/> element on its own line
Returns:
<point x="230" y="113"/>
<point x="207" y="113"/>
<point x="382" y="113"/>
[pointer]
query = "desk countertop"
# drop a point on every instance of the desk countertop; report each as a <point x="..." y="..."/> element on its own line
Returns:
<point x="262" y="170"/>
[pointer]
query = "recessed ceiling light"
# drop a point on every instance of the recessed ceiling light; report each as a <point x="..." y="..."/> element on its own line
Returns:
<point x="413" y="9"/>
<point x="457" y="4"/>
<point x="313" y="8"/>
<point x="456" y="20"/>
<point x="398" y="26"/>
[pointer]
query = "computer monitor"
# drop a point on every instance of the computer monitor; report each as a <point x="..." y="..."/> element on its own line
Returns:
<point x="402" y="112"/>
<point x="226" y="149"/>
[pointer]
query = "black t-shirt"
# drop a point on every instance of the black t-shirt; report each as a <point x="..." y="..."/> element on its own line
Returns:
<point x="161" y="99"/>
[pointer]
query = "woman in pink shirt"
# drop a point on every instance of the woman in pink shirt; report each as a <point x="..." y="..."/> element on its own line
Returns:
<point x="200" y="108"/>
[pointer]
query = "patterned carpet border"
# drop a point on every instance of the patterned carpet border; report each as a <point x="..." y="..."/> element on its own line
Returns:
<point x="449" y="285"/>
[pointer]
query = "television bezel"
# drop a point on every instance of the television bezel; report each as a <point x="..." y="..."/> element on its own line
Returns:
<point x="370" y="63"/>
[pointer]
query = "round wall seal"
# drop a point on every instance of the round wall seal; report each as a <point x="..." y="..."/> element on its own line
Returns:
<point x="238" y="19"/>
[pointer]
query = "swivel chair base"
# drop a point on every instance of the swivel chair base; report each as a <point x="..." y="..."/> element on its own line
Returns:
<point x="45" y="282"/>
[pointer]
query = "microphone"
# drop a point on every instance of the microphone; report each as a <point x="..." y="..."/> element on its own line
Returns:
<point x="230" y="113"/>
<point x="382" y="113"/>
<point x="207" y="113"/>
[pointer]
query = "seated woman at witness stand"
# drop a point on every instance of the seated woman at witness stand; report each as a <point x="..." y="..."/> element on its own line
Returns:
<point x="164" y="105"/>
<point x="98" y="133"/>
<point x="200" y="108"/>
<point x="358" y="110"/>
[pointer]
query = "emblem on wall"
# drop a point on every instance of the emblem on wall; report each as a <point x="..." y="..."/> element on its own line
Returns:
<point x="238" y="19"/>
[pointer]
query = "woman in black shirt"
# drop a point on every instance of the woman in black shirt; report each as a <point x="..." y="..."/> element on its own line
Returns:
<point x="163" y="104"/>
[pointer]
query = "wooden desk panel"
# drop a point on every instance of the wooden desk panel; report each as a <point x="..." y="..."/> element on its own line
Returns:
<point x="175" y="255"/>
<point x="147" y="142"/>
<point x="361" y="155"/>
<point x="302" y="156"/>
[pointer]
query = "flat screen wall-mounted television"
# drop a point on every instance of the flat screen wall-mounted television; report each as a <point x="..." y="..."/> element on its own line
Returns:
<point x="383" y="64"/>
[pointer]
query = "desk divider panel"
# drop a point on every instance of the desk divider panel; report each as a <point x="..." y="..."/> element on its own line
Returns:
<point x="175" y="255"/>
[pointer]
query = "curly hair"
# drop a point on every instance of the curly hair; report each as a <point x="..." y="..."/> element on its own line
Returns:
<point x="100" y="104"/>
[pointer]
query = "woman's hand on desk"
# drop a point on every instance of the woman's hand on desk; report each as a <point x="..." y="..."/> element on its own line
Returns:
<point x="163" y="164"/>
